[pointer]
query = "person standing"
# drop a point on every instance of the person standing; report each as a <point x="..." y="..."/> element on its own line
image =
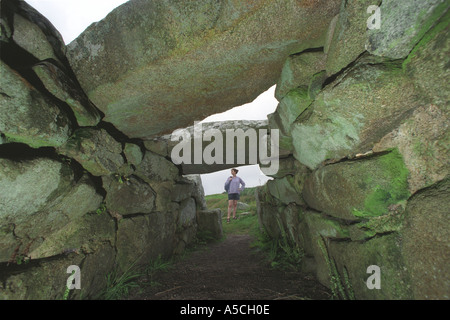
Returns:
<point x="234" y="185"/>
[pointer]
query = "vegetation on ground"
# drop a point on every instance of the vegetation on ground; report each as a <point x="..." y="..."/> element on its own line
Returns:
<point x="120" y="284"/>
<point x="247" y="222"/>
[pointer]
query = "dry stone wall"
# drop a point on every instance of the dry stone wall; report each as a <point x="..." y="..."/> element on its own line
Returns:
<point x="366" y="168"/>
<point x="74" y="190"/>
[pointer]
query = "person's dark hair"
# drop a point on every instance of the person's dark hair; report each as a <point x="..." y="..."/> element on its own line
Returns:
<point x="235" y="170"/>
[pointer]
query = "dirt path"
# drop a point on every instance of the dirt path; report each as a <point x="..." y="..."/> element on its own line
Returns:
<point x="231" y="270"/>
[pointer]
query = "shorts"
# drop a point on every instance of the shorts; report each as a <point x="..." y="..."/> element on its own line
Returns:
<point x="233" y="196"/>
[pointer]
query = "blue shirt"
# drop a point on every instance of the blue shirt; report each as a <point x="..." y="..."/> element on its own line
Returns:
<point x="235" y="184"/>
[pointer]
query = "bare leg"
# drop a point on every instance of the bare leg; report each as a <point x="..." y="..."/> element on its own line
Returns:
<point x="234" y="208"/>
<point x="230" y="207"/>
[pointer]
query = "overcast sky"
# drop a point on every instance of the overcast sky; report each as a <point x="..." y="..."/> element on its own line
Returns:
<point x="71" y="17"/>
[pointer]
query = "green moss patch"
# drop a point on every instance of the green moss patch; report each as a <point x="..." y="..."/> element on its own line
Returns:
<point x="394" y="191"/>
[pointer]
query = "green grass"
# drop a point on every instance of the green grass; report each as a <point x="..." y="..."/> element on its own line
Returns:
<point x="120" y="284"/>
<point x="280" y="252"/>
<point x="247" y="222"/>
<point x="155" y="266"/>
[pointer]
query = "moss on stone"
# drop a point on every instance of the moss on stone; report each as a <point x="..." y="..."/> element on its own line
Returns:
<point x="292" y="106"/>
<point x="315" y="84"/>
<point x="426" y="37"/>
<point x="33" y="142"/>
<point x="395" y="191"/>
<point x="325" y="226"/>
<point x="395" y="167"/>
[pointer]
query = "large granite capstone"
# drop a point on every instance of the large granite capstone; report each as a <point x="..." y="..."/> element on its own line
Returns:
<point x="154" y="66"/>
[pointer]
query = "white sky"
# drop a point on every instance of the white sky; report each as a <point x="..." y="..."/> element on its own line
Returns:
<point x="71" y="17"/>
